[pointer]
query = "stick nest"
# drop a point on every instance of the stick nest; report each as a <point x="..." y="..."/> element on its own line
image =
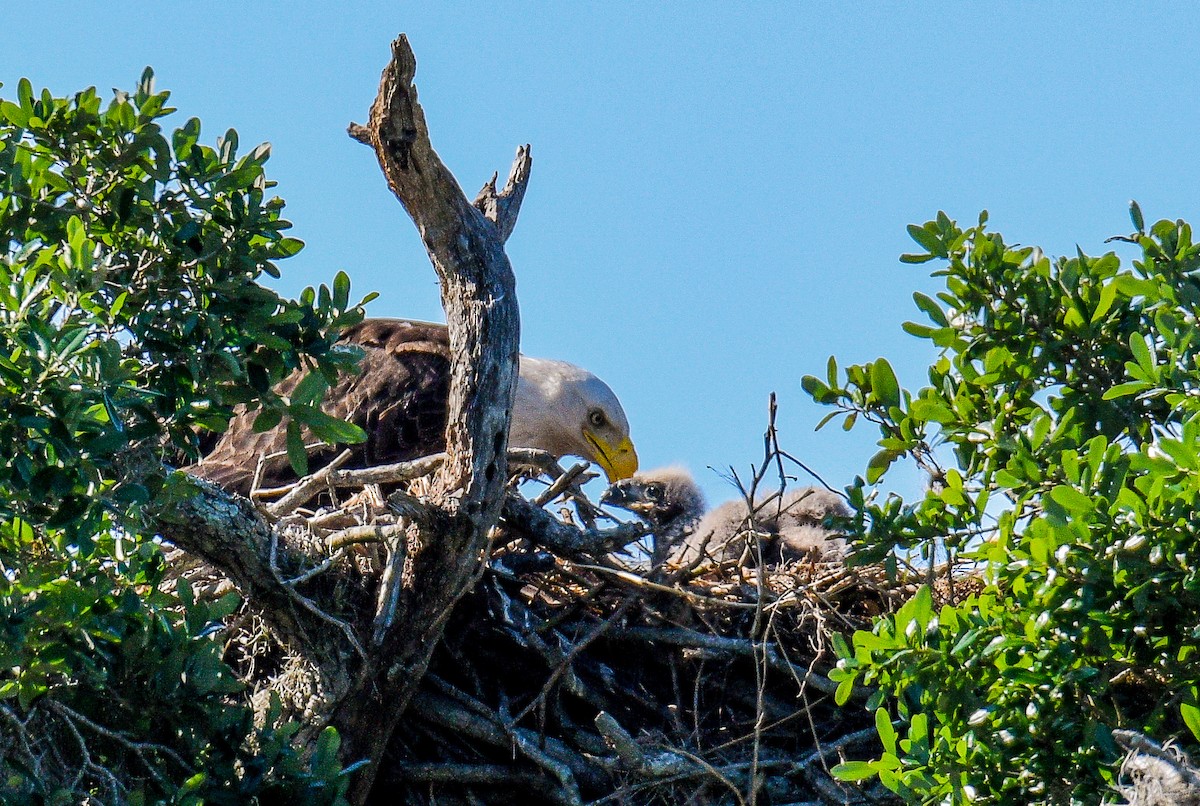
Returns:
<point x="571" y="675"/>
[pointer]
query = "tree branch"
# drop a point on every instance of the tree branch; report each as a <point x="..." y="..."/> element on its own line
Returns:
<point x="227" y="532"/>
<point x="466" y="247"/>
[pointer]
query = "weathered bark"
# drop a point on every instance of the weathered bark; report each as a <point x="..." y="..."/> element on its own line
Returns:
<point x="479" y="296"/>
<point x="228" y="533"/>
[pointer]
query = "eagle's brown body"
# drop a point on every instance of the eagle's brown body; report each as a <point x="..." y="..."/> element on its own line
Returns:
<point x="398" y="396"/>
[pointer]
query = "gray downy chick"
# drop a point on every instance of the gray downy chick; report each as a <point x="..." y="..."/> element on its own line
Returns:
<point x="667" y="499"/>
<point x="789" y="527"/>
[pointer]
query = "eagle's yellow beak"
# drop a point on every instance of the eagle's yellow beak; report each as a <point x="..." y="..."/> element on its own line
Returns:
<point x="619" y="461"/>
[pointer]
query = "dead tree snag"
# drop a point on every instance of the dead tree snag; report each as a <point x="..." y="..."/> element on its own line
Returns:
<point x="465" y="242"/>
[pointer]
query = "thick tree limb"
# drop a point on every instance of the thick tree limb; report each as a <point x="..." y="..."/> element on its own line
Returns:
<point x="538" y="525"/>
<point x="227" y="532"/>
<point x="466" y="247"/>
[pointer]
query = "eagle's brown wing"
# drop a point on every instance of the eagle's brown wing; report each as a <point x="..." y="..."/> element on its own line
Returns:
<point x="398" y="396"/>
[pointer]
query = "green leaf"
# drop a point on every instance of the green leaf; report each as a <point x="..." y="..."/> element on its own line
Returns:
<point x="267" y="419"/>
<point x="845" y="688"/>
<point x="920" y="331"/>
<point x="931" y="309"/>
<point x="25" y="95"/>
<point x="879" y="464"/>
<point x="1141" y="352"/>
<point x="341" y="290"/>
<point x="1139" y="225"/>
<point x="817" y="390"/>
<point x="887" y="733"/>
<point x="328" y="743"/>
<point x="853" y="771"/>
<point x="922" y="606"/>
<point x="1071" y="499"/>
<point x="183" y="589"/>
<point x="1108" y="295"/>
<point x="14" y="114"/>
<point x="1191" y="718"/>
<point x="825" y="420"/>
<point x="287" y="247"/>
<point x="926" y="239"/>
<point x="297" y="455"/>
<point x="310" y="389"/>
<point x="1124" y="389"/>
<point x="328" y="428"/>
<point x="884" y="383"/>
<point x="931" y="411"/>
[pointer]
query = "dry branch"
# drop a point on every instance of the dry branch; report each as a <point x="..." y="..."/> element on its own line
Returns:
<point x="479" y="297"/>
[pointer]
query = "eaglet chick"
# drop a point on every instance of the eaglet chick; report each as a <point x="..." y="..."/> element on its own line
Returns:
<point x="789" y="527"/>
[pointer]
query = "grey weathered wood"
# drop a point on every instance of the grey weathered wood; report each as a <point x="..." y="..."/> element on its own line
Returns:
<point x="478" y="289"/>
<point x="443" y="552"/>
<point x="502" y="208"/>
<point x="538" y="525"/>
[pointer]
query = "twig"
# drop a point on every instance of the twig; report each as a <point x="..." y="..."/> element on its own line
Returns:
<point x="561" y="484"/>
<point x="257" y="493"/>
<point x="388" y="474"/>
<point x="370" y="533"/>
<point x="308" y="604"/>
<point x="71" y="717"/>
<point x="544" y="529"/>
<point x="502" y="208"/>
<point x="388" y="595"/>
<point x="308" y="487"/>
<point x="494" y="775"/>
<point x="682" y="637"/>
<point x="641" y="582"/>
<point x="576" y="649"/>
<point x="864" y="735"/>
<point x="625" y="745"/>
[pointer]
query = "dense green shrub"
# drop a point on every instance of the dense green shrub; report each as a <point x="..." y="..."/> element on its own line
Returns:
<point x="132" y="320"/>
<point x="1059" y="432"/>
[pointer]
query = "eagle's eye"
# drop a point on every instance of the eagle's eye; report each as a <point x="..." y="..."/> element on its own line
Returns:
<point x="597" y="418"/>
<point x="654" y="492"/>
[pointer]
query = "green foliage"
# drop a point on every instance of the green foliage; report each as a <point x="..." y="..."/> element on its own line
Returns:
<point x="132" y="321"/>
<point x="1059" y="429"/>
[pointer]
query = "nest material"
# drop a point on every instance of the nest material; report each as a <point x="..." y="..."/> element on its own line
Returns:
<point x="1156" y="775"/>
<point x="623" y="691"/>
<point x="571" y="679"/>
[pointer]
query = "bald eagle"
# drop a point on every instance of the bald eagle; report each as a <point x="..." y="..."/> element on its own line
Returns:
<point x="791" y="526"/>
<point x="399" y="396"/>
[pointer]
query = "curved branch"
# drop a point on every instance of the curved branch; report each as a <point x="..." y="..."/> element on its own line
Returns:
<point x="227" y="532"/>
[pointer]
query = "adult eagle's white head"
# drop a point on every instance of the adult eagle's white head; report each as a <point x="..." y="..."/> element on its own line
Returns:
<point x="566" y="410"/>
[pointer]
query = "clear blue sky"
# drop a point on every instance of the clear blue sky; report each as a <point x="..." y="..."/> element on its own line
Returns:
<point x="719" y="192"/>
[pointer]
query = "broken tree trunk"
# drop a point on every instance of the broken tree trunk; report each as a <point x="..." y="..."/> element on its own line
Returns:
<point x="443" y="555"/>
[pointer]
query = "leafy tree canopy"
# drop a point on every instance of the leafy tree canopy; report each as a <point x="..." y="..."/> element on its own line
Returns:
<point x="132" y="321"/>
<point x="1059" y="429"/>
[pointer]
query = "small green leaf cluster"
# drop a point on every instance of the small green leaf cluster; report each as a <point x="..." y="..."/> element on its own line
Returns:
<point x="1059" y="430"/>
<point x="132" y="322"/>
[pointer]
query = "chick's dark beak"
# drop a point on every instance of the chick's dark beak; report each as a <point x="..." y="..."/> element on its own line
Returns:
<point x="616" y="495"/>
<point x="629" y="495"/>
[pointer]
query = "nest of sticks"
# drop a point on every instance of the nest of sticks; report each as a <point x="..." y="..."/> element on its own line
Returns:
<point x="575" y="673"/>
